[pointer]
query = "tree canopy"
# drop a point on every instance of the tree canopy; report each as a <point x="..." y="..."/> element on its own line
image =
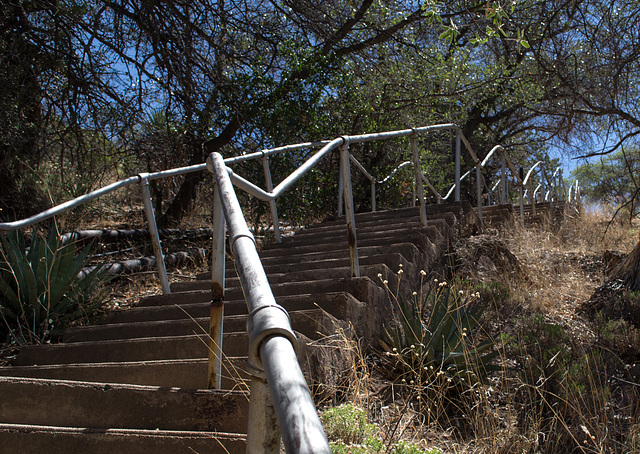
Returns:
<point x="106" y="87"/>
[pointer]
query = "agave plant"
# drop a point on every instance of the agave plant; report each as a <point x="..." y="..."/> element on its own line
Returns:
<point x="439" y="347"/>
<point x="40" y="287"/>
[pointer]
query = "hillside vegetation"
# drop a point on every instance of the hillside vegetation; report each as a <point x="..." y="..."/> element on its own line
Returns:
<point x="568" y="377"/>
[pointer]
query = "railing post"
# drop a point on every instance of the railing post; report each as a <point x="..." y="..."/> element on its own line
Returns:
<point x="263" y="434"/>
<point x="532" y="196"/>
<point x="216" y="313"/>
<point x="521" y="194"/>
<point x="413" y="194"/>
<point x="417" y="173"/>
<point x="340" y="188"/>
<point x="458" y="140"/>
<point x="503" y="180"/>
<point x="552" y="190"/>
<point x="479" y="190"/>
<point x="272" y="202"/>
<point x="543" y="177"/>
<point x="153" y="231"/>
<point x="373" y="196"/>
<point x="348" y="208"/>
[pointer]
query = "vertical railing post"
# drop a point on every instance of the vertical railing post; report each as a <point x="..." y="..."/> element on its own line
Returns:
<point x="543" y="177"/>
<point x="507" y="195"/>
<point x="532" y="197"/>
<point x="413" y="194"/>
<point x="272" y="202"/>
<point x="153" y="231"/>
<point x="216" y="313"/>
<point x="348" y="208"/>
<point x="503" y="180"/>
<point x="479" y="190"/>
<point x="520" y="188"/>
<point x="458" y="140"/>
<point x="552" y="186"/>
<point x="340" y="188"/>
<point x="417" y="173"/>
<point x="263" y="434"/>
<point x="373" y="196"/>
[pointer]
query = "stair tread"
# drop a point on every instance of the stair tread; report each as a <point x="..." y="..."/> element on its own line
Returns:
<point x="121" y="405"/>
<point x="63" y="440"/>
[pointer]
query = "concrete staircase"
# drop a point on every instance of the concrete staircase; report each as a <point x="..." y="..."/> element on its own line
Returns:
<point x="546" y="214"/>
<point x="135" y="383"/>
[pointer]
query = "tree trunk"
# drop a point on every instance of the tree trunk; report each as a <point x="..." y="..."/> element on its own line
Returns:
<point x="182" y="203"/>
<point x="628" y="271"/>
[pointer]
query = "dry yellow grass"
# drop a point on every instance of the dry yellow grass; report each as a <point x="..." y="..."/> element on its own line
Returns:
<point x="565" y="266"/>
<point x="556" y="392"/>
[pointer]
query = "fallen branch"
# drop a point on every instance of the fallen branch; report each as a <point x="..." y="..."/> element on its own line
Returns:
<point x="196" y="255"/>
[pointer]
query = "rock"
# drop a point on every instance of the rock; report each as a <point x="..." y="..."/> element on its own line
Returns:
<point x="483" y="258"/>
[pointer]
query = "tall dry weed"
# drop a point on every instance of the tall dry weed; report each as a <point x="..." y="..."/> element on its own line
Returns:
<point x="559" y="390"/>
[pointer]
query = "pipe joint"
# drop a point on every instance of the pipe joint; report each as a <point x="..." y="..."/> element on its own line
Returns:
<point x="237" y="236"/>
<point x="263" y="322"/>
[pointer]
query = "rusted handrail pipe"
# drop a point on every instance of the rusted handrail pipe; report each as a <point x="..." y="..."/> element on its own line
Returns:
<point x="272" y="344"/>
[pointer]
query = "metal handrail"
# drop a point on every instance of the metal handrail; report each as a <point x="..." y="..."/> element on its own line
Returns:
<point x="271" y="194"/>
<point x="272" y="344"/>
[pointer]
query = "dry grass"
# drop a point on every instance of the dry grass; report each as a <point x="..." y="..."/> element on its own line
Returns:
<point x="562" y="388"/>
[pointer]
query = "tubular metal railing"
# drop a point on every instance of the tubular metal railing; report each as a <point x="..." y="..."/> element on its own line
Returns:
<point x="279" y="394"/>
<point x="272" y="344"/>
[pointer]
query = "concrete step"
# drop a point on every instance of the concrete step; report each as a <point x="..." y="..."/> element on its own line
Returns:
<point x="181" y="373"/>
<point x="421" y="237"/>
<point x="368" y="256"/>
<point x="365" y="230"/>
<point x="391" y="255"/>
<point x="336" y="303"/>
<point x="391" y="258"/>
<point x="23" y="438"/>
<point x="191" y="346"/>
<point x="189" y="373"/>
<point x="123" y="350"/>
<point x="312" y="323"/>
<point x="433" y="211"/>
<point x="361" y="288"/>
<point x="334" y="272"/>
<point x="402" y="246"/>
<point x="39" y="402"/>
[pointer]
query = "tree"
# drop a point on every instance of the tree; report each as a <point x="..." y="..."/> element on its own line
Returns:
<point x="229" y="73"/>
<point x="589" y="74"/>
<point x="613" y="180"/>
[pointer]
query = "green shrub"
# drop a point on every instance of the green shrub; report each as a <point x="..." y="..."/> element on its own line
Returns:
<point x="425" y="351"/>
<point x="41" y="288"/>
<point x="349" y="432"/>
<point x="408" y="448"/>
<point x="542" y="350"/>
<point x="347" y="423"/>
